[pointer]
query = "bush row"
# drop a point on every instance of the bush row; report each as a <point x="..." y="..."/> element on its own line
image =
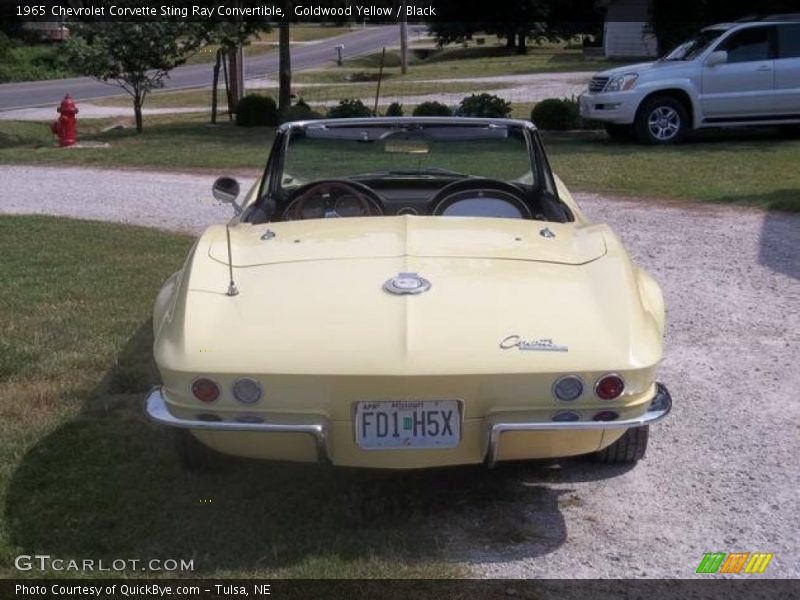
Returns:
<point x="553" y="113"/>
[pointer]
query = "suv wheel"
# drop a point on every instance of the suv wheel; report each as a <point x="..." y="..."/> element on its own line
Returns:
<point x="662" y="120"/>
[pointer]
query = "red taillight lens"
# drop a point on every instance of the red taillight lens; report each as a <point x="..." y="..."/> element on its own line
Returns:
<point x="609" y="387"/>
<point x="205" y="390"/>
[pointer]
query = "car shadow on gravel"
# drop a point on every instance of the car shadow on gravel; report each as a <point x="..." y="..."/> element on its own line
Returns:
<point x="779" y="244"/>
<point x="107" y="484"/>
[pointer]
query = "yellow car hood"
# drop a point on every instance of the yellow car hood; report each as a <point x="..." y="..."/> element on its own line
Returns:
<point x="317" y="306"/>
<point x="387" y="237"/>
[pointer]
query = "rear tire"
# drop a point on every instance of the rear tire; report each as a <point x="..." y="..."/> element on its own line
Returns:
<point x="626" y="450"/>
<point x="619" y="133"/>
<point x="662" y="120"/>
<point x="193" y="454"/>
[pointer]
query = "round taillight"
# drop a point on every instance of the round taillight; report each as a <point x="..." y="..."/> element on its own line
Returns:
<point x="205" y="390"/>
<point x="568" y="388"/>
<point x="606" y="415"/>
<point x="609" y="387"/>
<point x="566" y="416"/>
<point x="247" y="391"/>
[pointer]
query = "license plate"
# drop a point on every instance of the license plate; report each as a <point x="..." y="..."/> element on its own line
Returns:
<point x="408" y="424"/>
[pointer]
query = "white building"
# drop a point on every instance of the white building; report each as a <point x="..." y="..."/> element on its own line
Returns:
<point x="625" y="33"/>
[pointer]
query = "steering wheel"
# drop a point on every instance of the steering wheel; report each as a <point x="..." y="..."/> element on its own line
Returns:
<point x="333" y="198"/>
<point x="464" y="189"/>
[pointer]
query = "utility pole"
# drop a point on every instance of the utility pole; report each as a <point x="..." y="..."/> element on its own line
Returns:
<point x="236" y="59"/>
<point x="237" y="70"/>
<point x="284" y="68"/>
<point x="403" y="38"/>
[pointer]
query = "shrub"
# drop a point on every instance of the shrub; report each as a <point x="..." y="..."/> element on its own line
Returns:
<point x="255" y="110"/>
<point x="395" y="109"/>
<point x="555" y="113"/>
<point x="432" y="109"/>
<point x="301" y="111"/>
<point x="561" y="114"/>
<point x="349" y="108"/>
<point x="484" y="105"/>
<point x="363" y="76"/>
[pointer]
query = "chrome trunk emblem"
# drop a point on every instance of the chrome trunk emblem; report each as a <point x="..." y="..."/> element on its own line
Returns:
<point x="540" y="345"/>
<point x="407" y="283"/>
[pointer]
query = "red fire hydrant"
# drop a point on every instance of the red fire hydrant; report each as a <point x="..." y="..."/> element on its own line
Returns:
<point x="66" y="127"/>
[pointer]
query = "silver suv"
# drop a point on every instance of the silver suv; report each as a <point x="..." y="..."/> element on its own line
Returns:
<point x="731" y="74"/>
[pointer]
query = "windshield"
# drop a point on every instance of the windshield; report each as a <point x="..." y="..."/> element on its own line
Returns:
<point x="692" y="48"/>
<point x="320" y="152"/>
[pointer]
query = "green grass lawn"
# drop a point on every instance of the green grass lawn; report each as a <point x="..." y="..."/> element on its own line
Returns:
<point x="186" y="142"/>
<point x="457" y="62"/>
<point x="757" y="168"/>
<point x="83" y="475"/>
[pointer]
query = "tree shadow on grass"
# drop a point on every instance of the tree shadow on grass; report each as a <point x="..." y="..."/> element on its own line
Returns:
<point x="108" y="485"/>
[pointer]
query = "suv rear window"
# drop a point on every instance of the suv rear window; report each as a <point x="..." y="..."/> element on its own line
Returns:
<point x="789" y="41"/>
<point x="747" y="45"/>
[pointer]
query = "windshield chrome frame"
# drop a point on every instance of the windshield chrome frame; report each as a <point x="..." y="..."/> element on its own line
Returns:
<point x="270" y="184"/>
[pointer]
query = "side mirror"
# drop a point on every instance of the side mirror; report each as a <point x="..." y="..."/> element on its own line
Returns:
<point x="226" y="189"/>
<point x="720" y="57"/>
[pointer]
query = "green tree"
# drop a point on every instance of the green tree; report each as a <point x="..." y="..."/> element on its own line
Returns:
<point x="135" y="56"/>
<point x="517" y="21"/>
<point x="230" y="36"/>
<point x="671" y="30"/>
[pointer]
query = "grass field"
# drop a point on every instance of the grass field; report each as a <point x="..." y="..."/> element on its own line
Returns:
<point x="457" y="62"/>
<point x="83" y="475"/>
<point x="757" y="168"/>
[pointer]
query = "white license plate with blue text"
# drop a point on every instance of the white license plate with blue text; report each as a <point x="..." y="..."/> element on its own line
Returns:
<point x="408" y="424"/>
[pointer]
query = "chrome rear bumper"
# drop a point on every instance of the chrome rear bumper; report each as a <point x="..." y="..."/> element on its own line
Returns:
<point x="659" y="407"/>
<point x="318" y="427"/>
<point x="155" y="406"/>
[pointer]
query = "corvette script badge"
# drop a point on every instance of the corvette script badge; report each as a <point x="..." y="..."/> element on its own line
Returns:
<point x="540" y="345"/>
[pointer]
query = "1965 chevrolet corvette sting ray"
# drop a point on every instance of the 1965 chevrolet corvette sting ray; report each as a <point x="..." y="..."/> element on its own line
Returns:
<point x="406" y="293"/>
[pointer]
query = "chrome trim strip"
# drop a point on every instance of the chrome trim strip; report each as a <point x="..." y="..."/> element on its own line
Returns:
<point x="661" y="398"/>
<point x="155" y="407"/>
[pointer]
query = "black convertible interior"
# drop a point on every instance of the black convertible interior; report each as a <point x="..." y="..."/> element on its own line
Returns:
<point x="404" y="167"/>
<point x="440" y="196"/>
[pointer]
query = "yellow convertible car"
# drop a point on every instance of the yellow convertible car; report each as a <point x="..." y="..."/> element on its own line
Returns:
<point x="407" y="293"/>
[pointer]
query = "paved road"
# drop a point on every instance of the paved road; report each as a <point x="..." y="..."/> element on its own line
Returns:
<point x="362" y="41"/>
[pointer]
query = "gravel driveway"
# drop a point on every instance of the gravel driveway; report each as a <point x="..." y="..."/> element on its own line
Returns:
<point x="721" y="473"/>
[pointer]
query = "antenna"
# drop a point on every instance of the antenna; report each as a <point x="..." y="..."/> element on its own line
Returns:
<point x="232" y="290"/>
